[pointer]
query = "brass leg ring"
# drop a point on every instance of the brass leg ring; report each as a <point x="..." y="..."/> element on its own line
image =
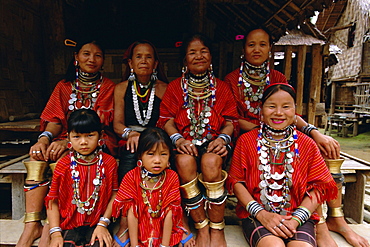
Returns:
<point x="218" y="226"/>
<point x="32" y="217"/>
<point x="202" y="224"/>
<point x="335" y="212"/>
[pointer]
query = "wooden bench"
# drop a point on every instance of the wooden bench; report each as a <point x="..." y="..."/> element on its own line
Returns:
<point x="15" y="174"/>
<point x="31" y="125"/>
<point x="355" y="176"/>
<point x="340" y="123"/>
<point x="12" y="229"/>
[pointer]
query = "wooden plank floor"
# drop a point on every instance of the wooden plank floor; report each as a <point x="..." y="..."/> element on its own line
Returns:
<point x="10" y="230"/>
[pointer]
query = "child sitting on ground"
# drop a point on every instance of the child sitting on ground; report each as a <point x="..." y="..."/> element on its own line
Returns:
<point x="149" y="195"/>
<point x="79" y="203"/>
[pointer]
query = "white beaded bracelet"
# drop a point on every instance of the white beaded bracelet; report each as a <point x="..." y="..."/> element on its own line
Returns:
<point x="105" y="220"/>
<point x="101" y="224"/>
<point x="55" y="229"/>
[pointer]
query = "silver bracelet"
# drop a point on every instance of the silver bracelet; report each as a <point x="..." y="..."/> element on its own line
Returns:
<point x="106" y="220"/>
<point x="126" y="132"/>
<point x="48" y="134"/>
<point x="101" y="224"/>
<point x="253" y="208"/>
<point x="55" y="229"/>
<point x="225" y="137"/>
<point x="175" y="137"/>
<point x="308" y="128"/>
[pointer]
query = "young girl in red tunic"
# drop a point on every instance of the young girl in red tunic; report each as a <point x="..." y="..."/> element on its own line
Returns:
<point x="149" y="194"/>
<point x="79" y="203"/>
<point x="279" y="176"/>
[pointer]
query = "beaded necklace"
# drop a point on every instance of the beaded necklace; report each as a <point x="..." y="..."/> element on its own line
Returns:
<point x="83" y="206"/>
<point x="88" y="78"/>
<point x="151" y="177"/>
<point x="200" y="130"/>
<point x="146" y="190"/>
<point x="247" y="79"/>
<point x="85" y="90"/>
<point x="147" y="108"/>
<point x="283" y="153"/>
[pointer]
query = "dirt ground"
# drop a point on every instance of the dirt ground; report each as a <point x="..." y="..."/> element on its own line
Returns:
<point x="358" y="146"/>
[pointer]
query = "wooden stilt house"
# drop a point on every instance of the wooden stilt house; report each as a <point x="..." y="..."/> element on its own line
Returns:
<point x="347" y="25"/>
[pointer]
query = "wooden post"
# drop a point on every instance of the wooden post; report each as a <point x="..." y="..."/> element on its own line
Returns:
<point x="301" y="57"/>
<point x="198" y="13"/>
<point x="18" y="197"/>
<point x="315" y="85"/>
<point x="288" y="61"/>
<point x="354" y="198"/>
<point x="272" y="58"/>
<point x="333" y="98"/>
<point x="222" y="59"/>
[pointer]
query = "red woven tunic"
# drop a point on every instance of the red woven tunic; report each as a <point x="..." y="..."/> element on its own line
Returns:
<point x="151" y="229"/>
<point x="61" y="189"/>
<point x="172" y="107"/>
<point x="310" y="172"/>
<point x="56" y="110"/>
<point x="233" y="78"/>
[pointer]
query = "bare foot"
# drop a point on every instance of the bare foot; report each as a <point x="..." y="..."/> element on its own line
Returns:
<point x="45" y="236"/>
<point x="218" y="238"/>
<point x="203" y="237"/>
<point x="339" y="225"/>
<point x="31" y="232"/>
<point x="323" y="236"/>
<point x="122" y="236"/>
<point x="189" y="243"/>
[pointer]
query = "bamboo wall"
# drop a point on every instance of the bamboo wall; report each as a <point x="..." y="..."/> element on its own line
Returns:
<point x="29" y="58"/>
<point x="349" y="65"/>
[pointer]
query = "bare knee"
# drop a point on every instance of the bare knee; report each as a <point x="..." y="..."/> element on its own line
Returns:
<point x="271" y="241"/>
<point x="298" y="244"/>
<point x="186" y="166"/>
<point x="211" y="166"/>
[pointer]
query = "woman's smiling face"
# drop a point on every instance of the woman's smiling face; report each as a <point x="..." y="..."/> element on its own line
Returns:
<point x="278" y="111"/>
<point x="198" y="57"/>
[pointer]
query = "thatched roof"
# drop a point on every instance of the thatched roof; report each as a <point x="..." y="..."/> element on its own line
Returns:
<point x="297" y="37"/>
<point x="163" y="20"/>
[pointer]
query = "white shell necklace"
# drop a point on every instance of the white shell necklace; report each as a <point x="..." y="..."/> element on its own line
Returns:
<point x="147" y="113"/>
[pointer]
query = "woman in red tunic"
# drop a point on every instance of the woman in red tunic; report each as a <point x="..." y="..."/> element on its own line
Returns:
<point x="83" y="86"/>
<point x="199" y="115"/>
<point x="248" y="84"/>
<point x="279" y="176"/>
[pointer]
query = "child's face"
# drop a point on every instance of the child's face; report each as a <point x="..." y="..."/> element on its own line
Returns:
<point x="156" y="159"/>
<point x="84" y="143"/>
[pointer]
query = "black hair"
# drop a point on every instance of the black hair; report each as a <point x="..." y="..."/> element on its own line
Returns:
<point x="150" y="137"/>
<point x="71" y="70"/>
<point x="84" y="121"/>
<point x="196" y="36"/>
<point x="129" y="53"/>
<point x="270" y="90"/>
<point x="255" y="27"/>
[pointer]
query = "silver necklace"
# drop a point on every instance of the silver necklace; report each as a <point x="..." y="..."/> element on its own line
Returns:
<point x="147" y="114"/>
